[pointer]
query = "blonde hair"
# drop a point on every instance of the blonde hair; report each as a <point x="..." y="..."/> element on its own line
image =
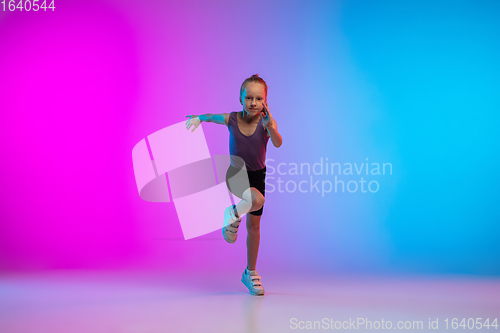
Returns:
<point x="253" y="78"/>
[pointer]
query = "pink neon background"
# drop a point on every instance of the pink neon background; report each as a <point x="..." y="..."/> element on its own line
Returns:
<point x="69" y="88"/>
<point x="83" y="85"/>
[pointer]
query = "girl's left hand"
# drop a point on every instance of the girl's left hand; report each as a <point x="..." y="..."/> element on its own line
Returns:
<point x="267" y="117"/>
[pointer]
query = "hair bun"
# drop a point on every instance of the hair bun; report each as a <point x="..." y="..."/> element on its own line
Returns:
<point x="254" y="78"/>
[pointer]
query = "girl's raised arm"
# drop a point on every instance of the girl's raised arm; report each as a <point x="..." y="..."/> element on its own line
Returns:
<point x="195" y="120"/>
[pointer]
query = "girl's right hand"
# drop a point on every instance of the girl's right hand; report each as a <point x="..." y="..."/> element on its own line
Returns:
<point x="192" y="121"/>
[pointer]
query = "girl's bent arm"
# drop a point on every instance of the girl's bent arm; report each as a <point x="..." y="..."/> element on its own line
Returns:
<point x="220" y="119"/>
<point x="276" y="138"/>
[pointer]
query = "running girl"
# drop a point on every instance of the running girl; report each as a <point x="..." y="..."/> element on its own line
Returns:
<point x="249" y="132"/>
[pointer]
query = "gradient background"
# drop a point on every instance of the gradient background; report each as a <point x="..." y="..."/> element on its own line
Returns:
<point x="412" y="83"/>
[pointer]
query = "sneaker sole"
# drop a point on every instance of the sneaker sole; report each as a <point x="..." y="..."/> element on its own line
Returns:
<point x="223" y="228"/>
<point x="227" y="239"/>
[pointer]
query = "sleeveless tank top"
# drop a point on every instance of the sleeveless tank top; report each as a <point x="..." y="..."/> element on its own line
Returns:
<point x="252" y="149"/>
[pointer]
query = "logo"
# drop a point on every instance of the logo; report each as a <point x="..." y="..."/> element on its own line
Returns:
<point x="178" y="168"/>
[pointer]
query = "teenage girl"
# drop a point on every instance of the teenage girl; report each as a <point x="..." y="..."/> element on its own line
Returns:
<point x="249" y="132"/>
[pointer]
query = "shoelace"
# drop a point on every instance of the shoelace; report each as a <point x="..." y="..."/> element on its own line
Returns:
<point x="232" y="228"/>
<point x="255" y="278"/>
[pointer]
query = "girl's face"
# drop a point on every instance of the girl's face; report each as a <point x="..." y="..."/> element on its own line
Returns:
<point x="253" y="97"/>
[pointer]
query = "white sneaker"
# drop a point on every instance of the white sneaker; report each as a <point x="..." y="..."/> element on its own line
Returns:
<point x="231" y="224"/>
<point x="251" y="280"/>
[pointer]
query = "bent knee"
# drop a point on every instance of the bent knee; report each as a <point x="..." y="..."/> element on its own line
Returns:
<point x="258" y="198"/>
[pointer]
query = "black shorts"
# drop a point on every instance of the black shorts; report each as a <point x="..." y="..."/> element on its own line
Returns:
<point x="238" y="184"/>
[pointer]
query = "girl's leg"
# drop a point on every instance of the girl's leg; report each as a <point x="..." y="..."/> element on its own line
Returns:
<point x="252" y="200"/>
<point x="253" y="239"/>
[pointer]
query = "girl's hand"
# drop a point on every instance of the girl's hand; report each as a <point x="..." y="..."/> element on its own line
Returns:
<point x="192" y="121"/>
<point x="267" y="117"/>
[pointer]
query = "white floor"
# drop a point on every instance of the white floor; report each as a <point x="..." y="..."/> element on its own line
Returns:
<point x="86" y="301"/>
